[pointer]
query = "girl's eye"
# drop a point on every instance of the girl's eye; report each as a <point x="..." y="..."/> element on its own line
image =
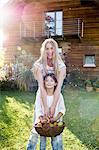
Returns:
<point x="52" y="81"/>
<point x="46" y="80"/>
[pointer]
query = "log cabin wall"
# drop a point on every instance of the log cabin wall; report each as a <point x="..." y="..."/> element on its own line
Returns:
<point x="76" y="48"/>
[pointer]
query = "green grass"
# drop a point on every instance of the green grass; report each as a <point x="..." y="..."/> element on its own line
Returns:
<point x="82" y="116"/>
<point x="82" y="119"/>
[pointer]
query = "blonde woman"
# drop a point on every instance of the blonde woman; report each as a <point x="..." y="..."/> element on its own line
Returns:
<point x="49" y="62"/>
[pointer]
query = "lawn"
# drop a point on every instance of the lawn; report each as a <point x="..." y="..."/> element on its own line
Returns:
<point x="82" y="119"/>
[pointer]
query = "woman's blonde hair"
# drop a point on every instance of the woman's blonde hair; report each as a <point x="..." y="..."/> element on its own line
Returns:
<point x="43" y="58"/>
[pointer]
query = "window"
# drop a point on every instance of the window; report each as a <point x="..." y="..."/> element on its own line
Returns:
<point x="60" y="50"/>
<point x="54" y="23"/>
<point x="89" y="61"/>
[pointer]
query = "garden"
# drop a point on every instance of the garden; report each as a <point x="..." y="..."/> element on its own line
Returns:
<point x="81" y="118"/>
<point x="17" y="97"/>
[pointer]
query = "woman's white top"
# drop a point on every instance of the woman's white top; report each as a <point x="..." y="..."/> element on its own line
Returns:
<point x="39" y="109"/>
<point x="48" y="69"/>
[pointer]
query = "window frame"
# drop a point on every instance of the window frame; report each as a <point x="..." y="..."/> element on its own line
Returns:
<point x="55" y="30"/>
<point x="85" y="64"/>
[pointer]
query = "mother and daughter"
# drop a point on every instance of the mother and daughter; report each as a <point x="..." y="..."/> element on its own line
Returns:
<point x="49" y="70"/>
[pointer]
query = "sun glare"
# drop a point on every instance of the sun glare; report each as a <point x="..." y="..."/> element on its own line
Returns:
<point x="2" y="38"/>
<point x="3" y="19"/>
<point x="3" y="2"/>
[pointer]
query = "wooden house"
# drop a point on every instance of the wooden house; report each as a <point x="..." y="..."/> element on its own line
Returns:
<point x="74" y="24"/>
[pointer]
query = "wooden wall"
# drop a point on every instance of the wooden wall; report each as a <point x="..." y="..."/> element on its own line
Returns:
<point x="89" y="44"/>
<point x="76" y="56"/>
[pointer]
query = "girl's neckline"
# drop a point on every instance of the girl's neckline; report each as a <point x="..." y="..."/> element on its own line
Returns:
<point x="50" y="95"/>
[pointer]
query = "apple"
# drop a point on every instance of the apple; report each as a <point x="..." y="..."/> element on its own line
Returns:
<point x="60" y="124"/>
<point x="39" y="124"/>
<point x="51" y="125"/>
<point x="55" y="123"/>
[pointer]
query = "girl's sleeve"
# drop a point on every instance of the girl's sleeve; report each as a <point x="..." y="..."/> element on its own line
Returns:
<point x="61" y="105"/>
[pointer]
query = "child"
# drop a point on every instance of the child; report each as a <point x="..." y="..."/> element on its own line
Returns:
<point x="50" y="83"/>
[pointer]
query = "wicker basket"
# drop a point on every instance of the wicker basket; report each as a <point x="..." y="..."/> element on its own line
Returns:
<point x="50" y="130"/>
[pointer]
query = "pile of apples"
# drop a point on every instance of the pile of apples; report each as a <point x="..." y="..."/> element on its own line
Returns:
<point x="39" y="124"/>
<point x="50" y="129"/>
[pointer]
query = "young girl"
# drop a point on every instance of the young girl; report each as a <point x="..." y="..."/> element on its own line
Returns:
<point x="50" y="84"/>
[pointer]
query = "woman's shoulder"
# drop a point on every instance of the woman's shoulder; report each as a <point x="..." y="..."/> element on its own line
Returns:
<point x="61" y="64"/>
<point x="38" y="64"/>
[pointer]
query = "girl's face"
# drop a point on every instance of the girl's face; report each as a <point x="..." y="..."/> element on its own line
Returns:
<point x="49" y="83"/>
<point x="50" y="50"/>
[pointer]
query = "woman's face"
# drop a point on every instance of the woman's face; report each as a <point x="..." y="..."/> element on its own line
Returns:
<point x="50" y="50"/>
<point x="49" y="83"/>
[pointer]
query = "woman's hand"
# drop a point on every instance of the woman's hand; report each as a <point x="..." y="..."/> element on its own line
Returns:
<point x="54" y="119"/>
<point x="46" y="111"/>
<point x="44" y="119"/>
<point x="52" y="110"/>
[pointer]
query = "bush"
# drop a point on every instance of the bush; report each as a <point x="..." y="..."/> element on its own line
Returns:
<point x="8" y="85"/>
<point x="76" y="78"/>
<point x="24" y="76"/>
<point x="96" y="83"/>
<point x="26" y="81"/>
<point x="88" y="82"/>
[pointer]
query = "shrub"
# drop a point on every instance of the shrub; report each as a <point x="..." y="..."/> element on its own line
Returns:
<point x="24" y="76"/>
<point x="96" y="83"/>
<point x="88" y="82"/>
<point x="26" y="81"/>
<point x="76" y="78"/>
<point x="6" y="85"/>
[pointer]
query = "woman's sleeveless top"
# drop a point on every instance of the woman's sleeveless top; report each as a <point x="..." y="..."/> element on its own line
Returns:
<point x="48" y="69"/>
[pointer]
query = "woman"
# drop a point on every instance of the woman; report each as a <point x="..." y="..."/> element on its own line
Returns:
<point x="49" y="62"/>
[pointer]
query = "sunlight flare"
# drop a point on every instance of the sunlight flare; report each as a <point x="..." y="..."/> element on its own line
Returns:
<point x="3" y="2"/>
<point x="2" y="38"/>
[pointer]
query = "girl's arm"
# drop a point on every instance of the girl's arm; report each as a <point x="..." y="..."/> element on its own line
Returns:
<point x="58" y="90"/>
<point x="43" y="91"/>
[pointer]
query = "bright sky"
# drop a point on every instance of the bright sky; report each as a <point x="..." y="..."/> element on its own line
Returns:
<point x="2" y="2"/>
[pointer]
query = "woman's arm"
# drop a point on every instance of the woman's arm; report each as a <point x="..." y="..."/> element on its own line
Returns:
<point x="43" y="91"/>
<point x="57" y="92"/>
<point x="56" y="118"/>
